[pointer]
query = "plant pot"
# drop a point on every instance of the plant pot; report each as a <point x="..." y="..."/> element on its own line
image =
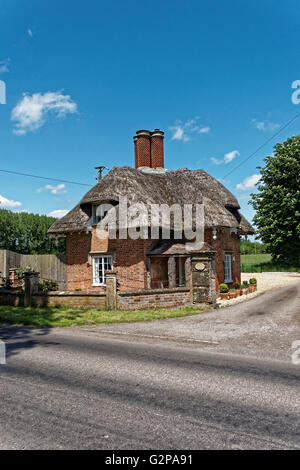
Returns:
<point x="245" y="291"/>
<point x="232" y="295"/>
<point x="224" y="295"/>
<point x="239" y="292"/>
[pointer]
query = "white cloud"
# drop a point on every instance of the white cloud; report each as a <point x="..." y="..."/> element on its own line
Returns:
<point x="265" y="125"/>
<point x="8" y="203"/>
<point x="248" y="182"/>
<point x="184" y="130"/>
<point x="31" y="111"/>
<point x="228" y="157"/>
<point x="58" y="213"/>
<point x="204" y="130"/>
<point x="4" y="65"/>
<point x="29" y="32"/>
<point x="58" y="189"/>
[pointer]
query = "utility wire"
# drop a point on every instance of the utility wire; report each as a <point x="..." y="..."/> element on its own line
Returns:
<point x="44" y="177"/>
<point x="262" y="145"/>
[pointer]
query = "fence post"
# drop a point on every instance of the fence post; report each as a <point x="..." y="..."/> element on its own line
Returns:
<point x="111" y="289"/>
<point x="31" y="280"/>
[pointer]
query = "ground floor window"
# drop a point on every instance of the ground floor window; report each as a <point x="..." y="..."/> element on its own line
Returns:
<point x="227" y="266"/>
<point x="100" y="265"/>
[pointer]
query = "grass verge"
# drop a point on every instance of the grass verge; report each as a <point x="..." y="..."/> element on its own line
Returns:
<point x="263" y="263"/>
<point x="67" y="316"/>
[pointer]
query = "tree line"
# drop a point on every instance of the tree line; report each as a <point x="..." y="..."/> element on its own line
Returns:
<point x="26" y="233"/>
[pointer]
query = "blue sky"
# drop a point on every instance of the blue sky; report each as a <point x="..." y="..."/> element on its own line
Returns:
<point x="82" y="77"/>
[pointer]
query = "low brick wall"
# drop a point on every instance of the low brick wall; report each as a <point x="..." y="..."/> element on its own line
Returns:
<point x="126" y="300"/>
<point x="53" y="299"/>
<point x="11" y="298"/>
<point x="71" y="299"/>
<point x="139" y="299"/>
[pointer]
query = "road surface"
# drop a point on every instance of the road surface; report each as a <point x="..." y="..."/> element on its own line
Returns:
<point x="79" y="389"/>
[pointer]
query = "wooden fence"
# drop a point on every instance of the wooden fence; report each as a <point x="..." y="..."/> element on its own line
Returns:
<point x="52" y="267"/>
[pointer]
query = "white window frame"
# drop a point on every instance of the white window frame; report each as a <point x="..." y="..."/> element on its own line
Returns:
<point x="227" y="267"/>
<point x="97" y="280"/>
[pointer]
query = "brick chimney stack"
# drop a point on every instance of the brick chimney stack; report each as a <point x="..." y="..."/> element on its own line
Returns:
<point x="149" y="148"/>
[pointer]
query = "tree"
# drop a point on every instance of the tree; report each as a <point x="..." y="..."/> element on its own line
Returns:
<point x="277" y="202"/>
<point x="27" y="233"/>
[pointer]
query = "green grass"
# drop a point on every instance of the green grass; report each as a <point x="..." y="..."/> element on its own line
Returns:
<point x="263" y="263"/>
<point x="255" y="259"/>
<point x="67" y="316"/>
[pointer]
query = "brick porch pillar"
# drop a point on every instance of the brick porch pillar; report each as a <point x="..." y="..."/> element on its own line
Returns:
<point x="111" y="289"/>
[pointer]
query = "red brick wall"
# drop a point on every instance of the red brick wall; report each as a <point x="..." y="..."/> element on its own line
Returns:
<point x="225" y="242"/>
<point x="164" y="298"/>
<point x="130" y="259"/>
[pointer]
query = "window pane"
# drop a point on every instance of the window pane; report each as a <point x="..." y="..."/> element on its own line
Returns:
<point x="100" y="265"/>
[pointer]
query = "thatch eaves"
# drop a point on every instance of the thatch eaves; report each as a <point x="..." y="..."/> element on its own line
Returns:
<point x="159" y="187"/>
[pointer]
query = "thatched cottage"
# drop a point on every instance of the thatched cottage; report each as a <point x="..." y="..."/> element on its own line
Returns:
<point x="147" y="263"/>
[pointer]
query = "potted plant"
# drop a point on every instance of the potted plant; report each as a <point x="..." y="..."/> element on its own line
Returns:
<point x="232" y="293"/>
<point x="253" y="284"/>
<point x="238" y="289"/>
<point x="223" y="289"/>
<point x="245" y="286"/>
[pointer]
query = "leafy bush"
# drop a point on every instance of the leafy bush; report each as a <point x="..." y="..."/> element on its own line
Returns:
<point x="223" y="288"/>
<point x="245" y="285"/>
<point x="236" y="285"/>
<point x="48" y="285"/>
<point x="253" y="280"/>
<point x="21" y="271"/>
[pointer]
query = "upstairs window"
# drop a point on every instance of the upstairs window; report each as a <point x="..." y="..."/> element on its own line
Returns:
<point x="227" y="268"/>
<point x="100" y="265"/>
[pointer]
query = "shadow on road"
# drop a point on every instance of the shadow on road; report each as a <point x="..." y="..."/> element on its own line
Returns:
<point x="18" y="338"/>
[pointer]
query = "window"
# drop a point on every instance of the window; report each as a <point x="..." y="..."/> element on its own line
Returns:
<point x="227" y="266"/>
<point x="100" y="265"/>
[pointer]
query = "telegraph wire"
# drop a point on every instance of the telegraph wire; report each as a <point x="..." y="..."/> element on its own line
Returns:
<point x="263" y="144"/>
<point x="44" y="178"/>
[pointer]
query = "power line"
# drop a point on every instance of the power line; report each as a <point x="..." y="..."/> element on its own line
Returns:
<point x="44" y="178"/>
<point x="262" y="145"/>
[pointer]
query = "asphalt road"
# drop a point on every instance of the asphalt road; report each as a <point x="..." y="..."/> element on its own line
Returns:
<point x="76" y="389"/>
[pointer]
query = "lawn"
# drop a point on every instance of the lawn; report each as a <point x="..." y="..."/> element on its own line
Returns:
<point x="255" y="259"/>
<point x="67" y="316"/>
<point x="263" y="263"/>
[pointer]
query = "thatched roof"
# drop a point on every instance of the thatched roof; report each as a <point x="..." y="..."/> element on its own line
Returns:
<point x="159" y="187"/>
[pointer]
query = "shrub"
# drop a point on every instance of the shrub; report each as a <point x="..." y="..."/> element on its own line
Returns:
<point x="253" y="280"/>
<point x="223" y="288"/>
<point x="47" y="285"/>
<point x="21" y="271"/>
<point x="236" y="285"/>
<point x="245" y="285"/>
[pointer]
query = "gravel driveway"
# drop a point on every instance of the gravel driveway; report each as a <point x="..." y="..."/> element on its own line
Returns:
<point x="264" y="326"/>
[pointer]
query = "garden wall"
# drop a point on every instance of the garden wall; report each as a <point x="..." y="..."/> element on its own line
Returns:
<point x="126" y="300"/>
<point x="149" y="298"/>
